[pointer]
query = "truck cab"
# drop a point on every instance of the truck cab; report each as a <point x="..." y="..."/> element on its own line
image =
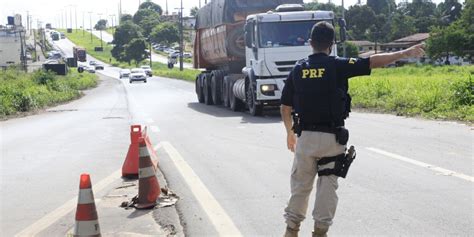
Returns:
<point x="275" y="41"/>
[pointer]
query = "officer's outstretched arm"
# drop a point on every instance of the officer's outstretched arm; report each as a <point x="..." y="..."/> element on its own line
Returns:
<point x="383" y="59"/>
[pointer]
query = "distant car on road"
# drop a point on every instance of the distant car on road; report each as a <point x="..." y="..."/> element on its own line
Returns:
<point x="147" y="70"/>
<point x="92" y="63"/>
<point x="124" y="73"/>
<point x="137" y="74"/>
<point x="187" y="55"/>
<point x="63" y="36"/>
<point x="89" y="69"/>
<point x="99" y="66"/>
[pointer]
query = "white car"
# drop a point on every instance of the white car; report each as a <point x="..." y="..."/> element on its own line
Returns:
<point x="124" y="73"/>
<point x="147" y="70"/>
<point x="137" y="74"/>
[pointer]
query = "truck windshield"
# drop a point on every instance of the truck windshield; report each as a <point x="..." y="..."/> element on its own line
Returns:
<point x="284" y="34"/>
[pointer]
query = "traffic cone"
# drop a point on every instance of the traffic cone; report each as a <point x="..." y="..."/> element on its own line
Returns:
<point x="87" y="223"/>
<point x="130" y="165"/>
<point x="154" y="156"/>
<point x="148" y="186"/>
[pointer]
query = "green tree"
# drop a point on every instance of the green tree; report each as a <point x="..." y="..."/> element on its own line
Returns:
<point x="449" y="11"/>
<point x="382" y="6"/>
<point x="401" y="26"/>
<point x="125" y="33"/>
<point x="125" y="17"/>
<point x="351" y="50"/>
<point x="144" y="13"/>
<point x="135" y="50"/>
<point x="315" y="5"/>
<point x="165" y="33"/>
<point x="151" y="6"/>
<point x="148" y="23"/>
<point x="146" y="19"/>
<point x="359" y="19"/>
<point x="101" y="25"/>
<point x="194" y="11"/>
<point x="457" y="38"/>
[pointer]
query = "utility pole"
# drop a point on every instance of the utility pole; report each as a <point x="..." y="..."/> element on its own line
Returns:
<point x="343" y="43"/>
<point x="83" y="25"/>
<point x="181" y="42"/>
<point x="75" y="14"/>
<point x="90" y="22"/>
<point x="100" y="30"/>
<point x="166" y="13"/>
<point x="70" y="15"/>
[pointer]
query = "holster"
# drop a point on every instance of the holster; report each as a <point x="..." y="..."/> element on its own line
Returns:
<point x="297" y="128"/>
<point x="342" y="135"/>
<point x="342" y="163"/>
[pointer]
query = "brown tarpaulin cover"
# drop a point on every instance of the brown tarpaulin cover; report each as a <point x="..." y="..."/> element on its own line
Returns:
<point x="219" y="12"/>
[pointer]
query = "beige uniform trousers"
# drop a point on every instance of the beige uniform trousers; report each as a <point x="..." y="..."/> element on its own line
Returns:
<point x="310" y="147"/>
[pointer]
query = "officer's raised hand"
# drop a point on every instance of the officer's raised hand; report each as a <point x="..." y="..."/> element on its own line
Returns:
<point x="383" y="59"/>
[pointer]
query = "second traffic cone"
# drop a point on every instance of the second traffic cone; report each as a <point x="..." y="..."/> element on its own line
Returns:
<point x="130" y="165"/>
<point x="149" y="145"/>
<point x="148" y="186"/>
<point x="87" y="222"/>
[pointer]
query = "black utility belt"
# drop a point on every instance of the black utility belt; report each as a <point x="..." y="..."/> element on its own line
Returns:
<point x="342" y="134"/>
<point x="319" y="128"/>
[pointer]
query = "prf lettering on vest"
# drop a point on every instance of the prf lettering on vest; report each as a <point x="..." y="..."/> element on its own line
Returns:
<point x="313" y="73"/>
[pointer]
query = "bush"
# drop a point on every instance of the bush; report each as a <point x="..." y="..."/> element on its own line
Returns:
<point x="433" y="92"/>
<point x="23" y="92"/>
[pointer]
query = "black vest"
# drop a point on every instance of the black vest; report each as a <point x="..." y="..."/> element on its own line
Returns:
<point x="319" y="96"/>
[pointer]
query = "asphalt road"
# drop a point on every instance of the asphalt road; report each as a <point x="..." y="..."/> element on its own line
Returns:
<point x="412" y="177"/>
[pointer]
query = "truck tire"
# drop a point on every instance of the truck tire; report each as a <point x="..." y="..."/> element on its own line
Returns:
<point x="254" y="108"/>
<point x="217" y="77"/>
<point x="199" y="92"/>
<point x="207" y="89"/>
<point x="235" y="103"/>
<point x="226" y="92"/>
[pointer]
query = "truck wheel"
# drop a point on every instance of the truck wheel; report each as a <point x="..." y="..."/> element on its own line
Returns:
<point x="225" y="92"/>
<point x="254" y="108"/>
<point x="199" y="92"/>
<point x="216" y="86"/>
<point x="234" y="103"/>
<point x="207" y="89"/>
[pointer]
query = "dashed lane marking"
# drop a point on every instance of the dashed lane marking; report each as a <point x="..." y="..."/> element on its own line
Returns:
<point x="67" y="207"/>
<point x="217" y="215"/>
<point x="422" y="164"/>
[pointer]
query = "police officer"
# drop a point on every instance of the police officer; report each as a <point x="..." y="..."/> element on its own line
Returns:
<point x="316" y="90"/>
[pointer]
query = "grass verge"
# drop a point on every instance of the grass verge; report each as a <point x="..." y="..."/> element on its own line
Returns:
<point x="432" y="92"/>
<point x="25" y="92"/>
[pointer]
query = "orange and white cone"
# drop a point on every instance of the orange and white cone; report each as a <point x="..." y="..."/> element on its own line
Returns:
<point x="148" y="186"/>
<point x="87" y="222"/>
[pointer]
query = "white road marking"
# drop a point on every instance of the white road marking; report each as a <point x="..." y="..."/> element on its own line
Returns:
<point x="155" y="129"/>
<point x="422" y="164"/>
<point x="219" y="218"/>
<point x="67" y="207"/>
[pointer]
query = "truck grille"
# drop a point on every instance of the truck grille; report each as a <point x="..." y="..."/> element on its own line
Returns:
<point x="286" y="63"/>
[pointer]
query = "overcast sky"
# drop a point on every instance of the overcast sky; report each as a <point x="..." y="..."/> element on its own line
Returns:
<point x="52" y="10"/>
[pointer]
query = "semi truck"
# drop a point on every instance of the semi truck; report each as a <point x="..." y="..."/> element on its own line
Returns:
<point x="248" y="48"/>
<point x="79" y="54"/>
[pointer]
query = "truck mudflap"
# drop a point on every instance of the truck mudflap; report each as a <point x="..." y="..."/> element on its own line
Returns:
<point x="270" y="89"/>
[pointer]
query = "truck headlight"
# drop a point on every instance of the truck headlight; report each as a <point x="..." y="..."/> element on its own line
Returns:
<point x="268" y="89"/>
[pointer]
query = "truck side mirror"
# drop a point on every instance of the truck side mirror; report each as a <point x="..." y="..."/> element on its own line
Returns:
<point x="248" y="35"/>
<point x="342" y="29"/>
